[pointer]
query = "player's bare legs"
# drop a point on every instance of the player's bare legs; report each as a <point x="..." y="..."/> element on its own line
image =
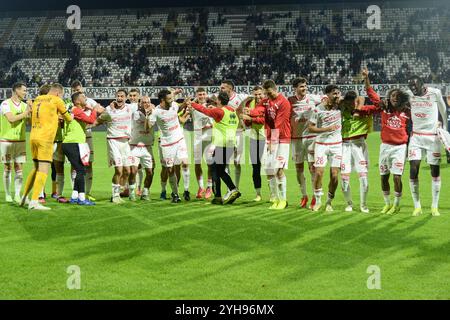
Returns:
<point x="173" y="180"/>
<point x="132" y="182"/>
<point x="199" y="177"/>
<point x="332" y="186"/>
<point x="59" y="168"/>
<point x="300" y="168"/>
<point x="318" y="191"/>
<point x="120" y="174"/>
<point x="386" y="188"/>
<point x="282" y="187"/>
<point x="147" y="184"/>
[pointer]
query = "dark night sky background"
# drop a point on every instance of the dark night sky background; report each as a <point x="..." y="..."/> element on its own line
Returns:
<point x="26" y="5"/>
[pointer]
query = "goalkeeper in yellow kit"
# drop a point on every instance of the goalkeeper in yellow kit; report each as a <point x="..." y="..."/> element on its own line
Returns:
<point x="44" y="123"/>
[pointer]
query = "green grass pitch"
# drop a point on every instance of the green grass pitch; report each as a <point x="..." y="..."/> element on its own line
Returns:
<point x="194" y="250"/>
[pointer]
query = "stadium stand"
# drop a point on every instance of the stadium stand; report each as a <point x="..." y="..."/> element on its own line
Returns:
<point x="179" y="47"/>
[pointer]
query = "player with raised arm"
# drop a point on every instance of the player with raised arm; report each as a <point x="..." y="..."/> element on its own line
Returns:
<point x="117" y="117"/>
<point x="76" y="86"/>
<point x="44" y="123"/>
<point x="141" y="144"/>
<point x="202" y="144"/>
<point x="172" y="143"/>
<point x="75" y="147"/>
<point x="235" y="102"/>
<point x="395" y="117"/>
<point x="14" y="113"/>
<point x="326" y="122"/>
<point x="355" y="154"/>
<point x="275" y="112"/>
<point x="224" y="142"/>
<point x="303" y="104"/>
<point x="426" y="106"/>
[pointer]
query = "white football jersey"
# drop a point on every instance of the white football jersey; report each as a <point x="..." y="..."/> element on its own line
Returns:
<point x="168" y="124"/>
<point x="92" y="103"/>
<point x="302" y="111"/>
<point x="201" y="121"/>
<point x="118" y="121"/>
<point x="425" y="110"/>
<point x="140" y="135"/>
<point x="322" y="117"/>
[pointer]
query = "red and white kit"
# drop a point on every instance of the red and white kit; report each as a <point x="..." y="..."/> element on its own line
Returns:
<point x="277" y="122"/>
<point x="394" y="136"/>
<point x="328" y="145"/>
<point x="141" y="142"/>
<point x="424" y="114"/>
<point x="118" y="132"/>
<point x="302" y="140"/>
<point x="172" y="144"/>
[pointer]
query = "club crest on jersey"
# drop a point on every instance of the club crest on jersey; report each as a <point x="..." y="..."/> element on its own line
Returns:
<point x="394" y="122"/>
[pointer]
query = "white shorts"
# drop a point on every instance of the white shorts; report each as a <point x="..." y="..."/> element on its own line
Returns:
<point x="142" y="155"/>
<point x="429" y="145"/>
<point x="13" y="151"/>
<point x="174" y="154"/>
<point x="58" y="154"/>
<point x="275" y="156"/>
<point x="354" y="156"/>
<point x="239" y="148"/>
<point x="327" y="152"/>
<point x="90" y="143"/>
<point x="302" y="150"/>
<point x="119" y="153"/>
<point x="392" y="159"/>
<point x="203" y="147"/>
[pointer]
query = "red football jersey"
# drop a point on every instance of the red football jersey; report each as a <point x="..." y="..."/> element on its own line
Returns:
<point x="277" y="118"/>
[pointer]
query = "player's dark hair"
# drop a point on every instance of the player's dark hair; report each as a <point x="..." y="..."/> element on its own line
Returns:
<point x="200" y="89"/>
<point x="348" y="103"/>
<point x="163" y="94"/>
<point x="18" y="85"/>
<point x="122" y="90"/>
<point x="44" y="89"/>
<point x="329" y="88"/>
<point x="75" y="96"/>
<point x="403" y="100"/>
<point x="229" y="82"/>
<point x="135" y="90"/>
<point x="223" y="98"/>
<point x="298" y="81"/>
<point x="75" y="83"/>
<point x="255" y="88"/>
<point x="269" y="84"/>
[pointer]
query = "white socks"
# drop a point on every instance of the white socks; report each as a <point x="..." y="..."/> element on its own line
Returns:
<point x="363" y="190"/>
<point x="318" y="193"/>
<point x="116" y="190"/>
<point x="185" y="172"/>
<point x="387" y="197"/>
<point x="273" y="186"/>
<point x="132" y="188"/>
<point x="398" y="197"/>
<point x="282" y="188"/>
<point x="201" y="185"/>
<point x="145" y="192"/>
<point x="435" y="191"/>
<point x="59" y="183"/>
<point x="74" y="194"/>
<point x="346" y="189"/>
<point x="7" y="182"/>
<point x="414" y="186"/>
<point x="18" y="180"/>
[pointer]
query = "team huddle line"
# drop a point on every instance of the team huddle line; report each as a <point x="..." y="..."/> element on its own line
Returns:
<point x="330" y="128"/>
